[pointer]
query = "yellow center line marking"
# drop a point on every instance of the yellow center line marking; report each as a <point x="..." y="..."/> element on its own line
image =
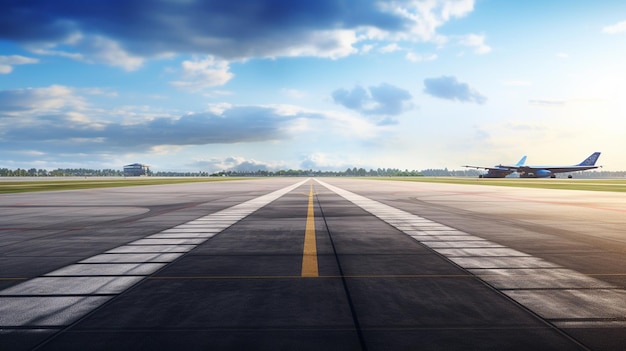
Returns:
<point x="309" y="254"/>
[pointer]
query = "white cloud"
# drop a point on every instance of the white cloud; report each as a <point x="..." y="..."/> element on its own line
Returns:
<point x="48" y="50"/>
<point x="413" y="57"/>
<point x="423" y="20"/>
<point x="58" y="120"/>
<point x="100" y="91"/>
<point x="48" y="100"/>
<point x="324" y="161"/>
<point x="235" y="163"/>
<point x="202" y="74"/>
<point x="449" y="88"/>
<point x="366" y="48"/>
<point x="477" y="42"/>
<point x="458" y="8"/>
<point x="17" y="60"/>
<point x="426" y="16"/>
<point x="378" y="102"/>
<point x="7" y="62"/>
<point x="390" y="48"/>
<point x="110" y="52"/>
<point x="219" y="108"/>
<point x="265" y="29"/>
<point x="93" y="49"/>
<point x="331" y="44"/>
<point x="615" y="28"/>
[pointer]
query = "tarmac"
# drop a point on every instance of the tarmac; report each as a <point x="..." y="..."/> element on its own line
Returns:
<point x="308" y="264"/>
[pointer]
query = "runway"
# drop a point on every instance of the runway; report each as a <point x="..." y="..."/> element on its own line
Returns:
<point x="328" y="263"/>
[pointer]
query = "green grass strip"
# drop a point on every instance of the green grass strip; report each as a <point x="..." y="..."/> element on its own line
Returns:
<point x="19" y="186"/>
<point x="615" y="185"/>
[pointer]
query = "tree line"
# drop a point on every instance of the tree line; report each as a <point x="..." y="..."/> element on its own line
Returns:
<point x="349" y="172"/>
<point x="66" y="172"/>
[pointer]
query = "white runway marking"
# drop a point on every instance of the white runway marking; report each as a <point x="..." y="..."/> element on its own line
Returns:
<point x="71" y="286"/>
<point x="63" y="296"/>
<point x="562" y="296"/>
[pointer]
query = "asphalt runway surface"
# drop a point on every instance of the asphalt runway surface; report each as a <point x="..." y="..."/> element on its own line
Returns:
<point x="310" y="264"/>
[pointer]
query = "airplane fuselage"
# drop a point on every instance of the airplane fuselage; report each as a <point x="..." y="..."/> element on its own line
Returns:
<point x="502" y="171"/>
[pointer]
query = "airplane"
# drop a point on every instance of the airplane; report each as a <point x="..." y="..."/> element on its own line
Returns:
<point x="502" y="171"/>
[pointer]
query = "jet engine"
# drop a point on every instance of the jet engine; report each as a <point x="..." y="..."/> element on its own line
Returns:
<point x="543" y="173"/>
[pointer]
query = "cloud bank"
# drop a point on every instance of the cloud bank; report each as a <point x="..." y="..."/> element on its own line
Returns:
<point x="58" y="119"/>
<point x="126" y="33"/>
<point x="449" y="88"/>
<point x="382" y="100"/>
<point x="234" y="163"/>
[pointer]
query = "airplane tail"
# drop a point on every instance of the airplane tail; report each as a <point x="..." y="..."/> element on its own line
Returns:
<point x="521" y="162"/>
<point x="591" y="160"/>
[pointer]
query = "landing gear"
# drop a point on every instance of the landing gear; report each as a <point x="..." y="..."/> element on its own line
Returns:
<point x="570" y="176"/>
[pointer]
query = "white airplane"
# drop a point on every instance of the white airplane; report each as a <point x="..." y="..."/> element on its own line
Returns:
<point x="502" y="171"/>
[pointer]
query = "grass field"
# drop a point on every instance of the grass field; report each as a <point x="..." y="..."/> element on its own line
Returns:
<point x="617" y="185"/>
<point x="30" y="185"/>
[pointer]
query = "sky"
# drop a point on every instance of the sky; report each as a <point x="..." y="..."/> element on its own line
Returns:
<point x="212" y="85"/>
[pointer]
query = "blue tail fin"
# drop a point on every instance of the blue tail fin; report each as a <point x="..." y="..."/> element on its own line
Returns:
<point x="591" y="160"/>
<point x="521" y="162"/>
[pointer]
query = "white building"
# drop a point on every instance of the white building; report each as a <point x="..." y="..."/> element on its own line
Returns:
<point x="136" y="170"/>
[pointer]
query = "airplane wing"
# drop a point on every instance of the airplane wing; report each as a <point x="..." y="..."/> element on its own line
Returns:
<point x="480" y="167"/>
<point x="495" y="168"/>
<point x="495" y="172"/>
<point x="501" y="167"/>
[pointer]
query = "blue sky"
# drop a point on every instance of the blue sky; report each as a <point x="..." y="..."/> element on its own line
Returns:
<point x="213" y="85"/>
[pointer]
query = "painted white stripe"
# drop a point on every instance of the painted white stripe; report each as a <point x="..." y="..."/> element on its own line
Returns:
<point x="163" y="241"/>
<point x="460" y="244"/>
<point x="116" y="269"/>
<point x="46" y="311"/>
<point x="133" y="258"/>
<point x="178" y="230"/>
<point x="151" y="248"/>
<point x="488" y="252"/>
<point x="501" y="262"/>
<point x="538" y="278"/>
<point x="445" y="238"/>
<point x="573" y="304"/>
<point x="72" y="286"/>
<point x="180" y="235"/>
<point x="564" y="296"/>
<point x="66" y="294"/>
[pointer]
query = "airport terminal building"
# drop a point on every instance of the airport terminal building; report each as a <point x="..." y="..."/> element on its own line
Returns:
<point x="136" y="170"/>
